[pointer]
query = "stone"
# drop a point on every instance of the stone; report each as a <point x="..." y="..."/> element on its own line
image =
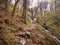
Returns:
<point x="23" y="41"/>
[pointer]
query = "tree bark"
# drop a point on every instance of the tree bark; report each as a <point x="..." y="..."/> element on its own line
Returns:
<point x="6" y="4"/>
<point x="24" y="10"/>
<point x="15" y="7"/>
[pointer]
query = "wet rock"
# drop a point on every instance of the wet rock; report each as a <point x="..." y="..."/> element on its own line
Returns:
<point x="27" y="34"/>
<point x="20" y="33"/>
<point x="17" y="40"/>
<point x="23" y="41"/>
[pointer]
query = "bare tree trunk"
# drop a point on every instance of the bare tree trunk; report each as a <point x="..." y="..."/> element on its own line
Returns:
<point x="24" y="10"/>
<point x="32" y="14"/>
<point x="55" y="7"/>
<point x="15" y="7"/>
<point x="6" y="4"/>
<point x="41" y="9"/>
<point x="10" y="1"/>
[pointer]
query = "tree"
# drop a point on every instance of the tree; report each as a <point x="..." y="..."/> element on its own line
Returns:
<point x="24" y="10"/>
<point x="9" y="1"/>
<point x="0" y="1"/>
<point x="6" y="4"/>
<point x="42" y="6"/>
<point x="34" y="12"/>
<point x="14" y="8"/>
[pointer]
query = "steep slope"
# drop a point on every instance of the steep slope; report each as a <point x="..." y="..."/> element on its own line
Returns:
<point x="14" y="32"/>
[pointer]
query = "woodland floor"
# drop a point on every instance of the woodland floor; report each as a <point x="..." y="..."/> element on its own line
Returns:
<point x="13" y="31"/>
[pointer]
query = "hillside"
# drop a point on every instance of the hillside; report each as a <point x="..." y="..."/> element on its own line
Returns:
<point x="14" y="32"/>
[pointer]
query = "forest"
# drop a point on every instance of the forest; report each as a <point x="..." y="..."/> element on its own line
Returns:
<point x="29" y="22"/>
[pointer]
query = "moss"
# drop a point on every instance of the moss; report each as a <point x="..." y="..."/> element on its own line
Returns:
<point x="2" y="30"/>
<point x="9" y="38"/>
<point x="28" y="22"/>
<point x="12" y="28"/>
<point x="7" y="21"/>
